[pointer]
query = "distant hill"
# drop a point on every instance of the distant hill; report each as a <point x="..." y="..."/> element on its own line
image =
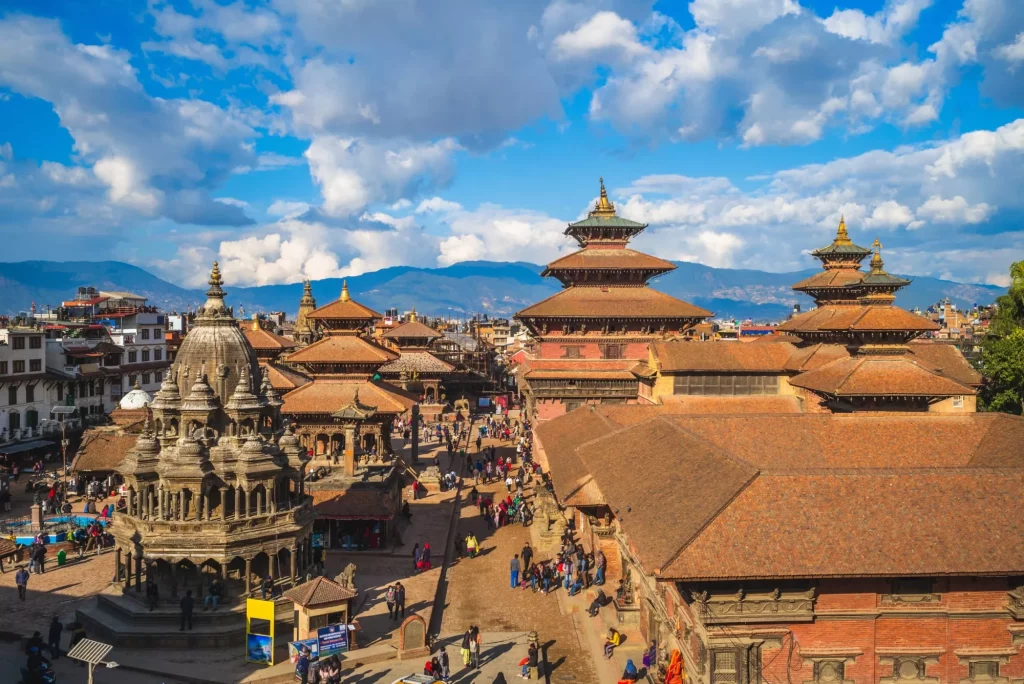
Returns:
<point x="460" y="290"/>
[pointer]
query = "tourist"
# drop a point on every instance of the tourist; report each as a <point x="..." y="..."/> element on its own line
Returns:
<point x="389" y="599"/>
<point x="428" y="669"/>
<point x="474" y="646"/>
<point x="425" y="557"/>
<point x="302" y="665"/>
<point x="464" y="650"/>
<point x="400" y="599"/>
<point x="599" y="563"/>
<point x="546" y="576"/>
<point x="435" y="668"/>
<point x="533" y="655"/>
<point x="472" y="546"/>
<point x="21" y="579"/>
<point x="443" y="659"/>
<point x="527" y="556"/>
<point x="508" y="484"/>
<point x="39" y="556"/>
<point x="630" y="674"/>
<point x="186" y="605"/>
<point x="514" y="567"/>
<point x="458" y="545"/>
<point x="213" y="594"/>
<point x="611" y="642"/>
<point x="152" y="594"/>
<point x="416" y="557"/>
<point x="77" y="634"/>
<point x="54" y="637"/>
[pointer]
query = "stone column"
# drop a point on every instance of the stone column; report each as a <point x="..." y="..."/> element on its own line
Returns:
<point x="117" y="565"/>
<point x="160" y="499"/>
<point x="238" y="502"/>
<point x="294" y="553"/>
<point x="247" y="496"/>
<point x="248" y="577"/>
<point x="138" y="573"/>
<point x="350" y="451"/>
<point x="182" y="503"/>
<point x="273" y="497"/>
<point x="174" y="579"/>
<point x="224" y="503"/>
<point x="128" y="572"/>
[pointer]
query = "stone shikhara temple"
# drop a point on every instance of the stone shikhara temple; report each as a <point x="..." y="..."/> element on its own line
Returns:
<point x="215" y="484"/>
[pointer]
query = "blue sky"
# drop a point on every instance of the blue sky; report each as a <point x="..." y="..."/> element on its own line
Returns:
<point x="313" y="138"/>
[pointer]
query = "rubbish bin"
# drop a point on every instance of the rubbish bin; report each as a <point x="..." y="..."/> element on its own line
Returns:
<point x="62" y="557"/>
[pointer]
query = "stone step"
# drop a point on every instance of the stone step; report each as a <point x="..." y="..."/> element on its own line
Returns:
<point x="129" y="609"/>
<point x="108" y="627"/>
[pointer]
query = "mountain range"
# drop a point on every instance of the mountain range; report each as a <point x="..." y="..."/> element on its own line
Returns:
<point x="461" y="290"/>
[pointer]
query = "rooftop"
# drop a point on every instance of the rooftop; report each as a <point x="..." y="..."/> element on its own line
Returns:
<point x="319" y="591"/>
<point x="342" y="349"/>
<point x="682" y="356"/>
<point x="879" y="376"/>
<point x="327" y="395"/>
<point x="614" y="303"/>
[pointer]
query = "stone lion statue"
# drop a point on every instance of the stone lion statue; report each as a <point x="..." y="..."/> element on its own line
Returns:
<point x="347" y="578"/>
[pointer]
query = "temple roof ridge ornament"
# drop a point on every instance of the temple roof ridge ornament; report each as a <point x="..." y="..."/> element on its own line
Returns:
<point x="604" y="207"/>
<point x="344" y="291"/>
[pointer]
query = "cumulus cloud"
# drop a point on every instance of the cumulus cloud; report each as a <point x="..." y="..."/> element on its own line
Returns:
<point x="954" y="210"/>
<point x="354" y="173"/>
<point x="157" y="157"/>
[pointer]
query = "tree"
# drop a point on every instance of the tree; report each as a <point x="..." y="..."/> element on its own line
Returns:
<point x="1002" y="351"/>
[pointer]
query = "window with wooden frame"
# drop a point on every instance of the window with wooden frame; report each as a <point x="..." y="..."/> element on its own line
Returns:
<point x="983" y="670"/>
<point x="573" y="352"/>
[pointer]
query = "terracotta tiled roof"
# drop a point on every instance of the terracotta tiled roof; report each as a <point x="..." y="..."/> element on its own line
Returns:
<point x="878" y="376"/>
<point x="344" y="309"/>
<point x="599" y="258"/>
<point x="816" y="356"/>
<point x="8" y="548"/>
<point x="327" y="395"/>
<point x="946" y="359"/>
<point x="681" y="356"/>
<point x="837" y="277"/>
<point x="412" y="329"/>
<point x="613" y="302"/>
<point x="319" y="591"/>
<point x="129" y="420"/>
<point x="264" y="339"/>
<point x="729" y="405"/>
<point x="862" y="524"/>
<point x="353" y="504"/>
<point x="580" y="364"/>
<point x="778" y="496"/>
<point x="342" y="349"/>
<point x="420" y="362"/>
<point x="283" y="378"/>
<point x="102" y="450"/>
<point x="836" y="318"/>
<point x="776" y="338"/>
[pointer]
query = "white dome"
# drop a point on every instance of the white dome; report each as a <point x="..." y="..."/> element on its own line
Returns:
<point x="136" y="399"/>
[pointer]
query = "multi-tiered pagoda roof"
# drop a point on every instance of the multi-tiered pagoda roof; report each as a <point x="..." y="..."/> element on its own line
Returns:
<point x="605" y="283"/>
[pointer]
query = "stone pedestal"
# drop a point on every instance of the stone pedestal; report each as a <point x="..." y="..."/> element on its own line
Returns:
<point x="37" y="517"/>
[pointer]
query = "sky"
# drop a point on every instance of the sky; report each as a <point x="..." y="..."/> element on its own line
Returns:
<point x="294" y="139"/>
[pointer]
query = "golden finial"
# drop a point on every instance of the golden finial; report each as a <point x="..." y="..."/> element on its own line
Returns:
<point x="344" y="291"/>
<point x="255" y="321"/>
<point x="876" y="260"/>
<point x="215" y="291"/>
<point x="215" y="275"/>
<point x="307" y="289"/>
<point x="842" y="237"/>
<point x="604" y="208"/>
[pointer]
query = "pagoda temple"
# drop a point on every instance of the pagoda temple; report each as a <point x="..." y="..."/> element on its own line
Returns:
<point x="269" y="348"/>
<point x="856" y="351"/>
<point x="592" y="337"/>
<point x="417" y="369"/>
<point x="344" y="419"/>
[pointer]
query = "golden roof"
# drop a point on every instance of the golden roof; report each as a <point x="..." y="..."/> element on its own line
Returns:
<point x="604" y="206"/>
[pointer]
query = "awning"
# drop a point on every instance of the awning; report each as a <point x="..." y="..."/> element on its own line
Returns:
<point x="25" y="446"/>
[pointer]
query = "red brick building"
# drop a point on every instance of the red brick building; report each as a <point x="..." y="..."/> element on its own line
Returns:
<point x="865" y="547"/>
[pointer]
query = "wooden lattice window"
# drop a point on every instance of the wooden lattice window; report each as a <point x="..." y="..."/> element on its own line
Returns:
<point x="573" y="352"/>
<point x="981" y="670"/>
<point x="725" y="667"/>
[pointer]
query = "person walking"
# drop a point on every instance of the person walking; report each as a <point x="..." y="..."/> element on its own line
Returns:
<point x="445" y="671"/>
<point x="21" y="579"/>
<point x="472" y="546"/>
<point x="152" y="594"/>
<point x="514" y="567"/>
<point x="465" y="650"/>
<point x="54" y="637"/>
<point x="399" y="599"/>
<point x="415" y="557"/>
<point x="527" y="556"/>
<point x="475" y="647"/>
<point x="389" y="598"/>
<point x="186" y="605"/>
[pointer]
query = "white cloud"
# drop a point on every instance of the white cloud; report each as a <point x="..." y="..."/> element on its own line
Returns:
<point x="604" y="34"/>
<point x="287" y="209"/>
<point x="886" y="25"/>
<point x="437" y="204"/>
<point x="1012" y="52"/>
<point x="955" y="210"/>
<point x="353" y="173"/>
<point x="499" y="234"/>
<point x="889" y="214"/>
<point x="127" y="186"/>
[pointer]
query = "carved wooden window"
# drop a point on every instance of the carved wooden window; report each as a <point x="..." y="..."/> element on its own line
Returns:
<point x="725" y="667"/>
<point x="827" y="671"/>
<point x="614" y="351"/>
<point x="572" y="352"/>
<point x="572" y="405"/>
<point x="981" y="670"/>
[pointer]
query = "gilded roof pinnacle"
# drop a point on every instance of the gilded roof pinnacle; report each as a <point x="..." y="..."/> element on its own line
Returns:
<point x="344" y="291"/>
<point x="842" y="237"/>
<point x="876" y="260"/>
<point x="604" y="207"/>
<point x="255" y="321"/>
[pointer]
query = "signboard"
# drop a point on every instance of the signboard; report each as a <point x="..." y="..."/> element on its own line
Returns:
<point x="332" y="639"/>
<point x="295" y="648"/>
<point x="318" y="540"/>
<point x="259" y="631"/>
<point x="483" y="402"/>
